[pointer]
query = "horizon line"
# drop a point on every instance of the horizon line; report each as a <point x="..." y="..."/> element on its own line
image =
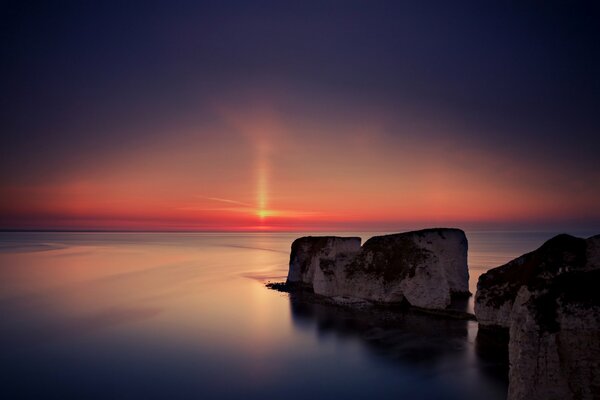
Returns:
<point x="513" y="229"/>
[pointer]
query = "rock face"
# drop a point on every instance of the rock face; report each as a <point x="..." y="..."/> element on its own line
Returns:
<point x="550" y="301"/>
<point x="307" y="253"/>
<point x="423" y="267"/>
<point x="498" y="288"/>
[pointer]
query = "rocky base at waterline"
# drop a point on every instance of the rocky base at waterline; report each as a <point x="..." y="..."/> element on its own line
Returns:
<point x="549" y="300"/>
<point x="300" y="294"/>
<point x="424" y="269"/>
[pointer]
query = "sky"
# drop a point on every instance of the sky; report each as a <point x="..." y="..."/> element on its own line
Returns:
<point x="326" y="115"/>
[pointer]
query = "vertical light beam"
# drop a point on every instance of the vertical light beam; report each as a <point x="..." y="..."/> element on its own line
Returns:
<point x="261" y="182"/>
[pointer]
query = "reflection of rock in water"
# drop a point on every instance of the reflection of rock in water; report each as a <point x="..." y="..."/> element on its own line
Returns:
<point x="407" y="337"/>
<point x="491" y="347"/>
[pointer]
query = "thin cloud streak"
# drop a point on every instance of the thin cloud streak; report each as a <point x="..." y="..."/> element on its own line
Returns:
<point x="219" y="199"/>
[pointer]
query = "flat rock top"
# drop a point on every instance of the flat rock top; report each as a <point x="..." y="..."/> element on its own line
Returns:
<point x="318" y="243"/>
<point x="311" y="238"/>
<point x="442" y="232"/>
<point x="322" y="241"/>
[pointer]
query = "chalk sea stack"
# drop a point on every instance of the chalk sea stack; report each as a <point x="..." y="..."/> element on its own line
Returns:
<point x="549" y="300"/>
<point x="425" y="268"/>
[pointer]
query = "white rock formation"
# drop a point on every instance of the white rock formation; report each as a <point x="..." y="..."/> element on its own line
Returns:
<point x="424" y="267"/>
<point x="307" y="253"/>
<point x="549" y="300"/>
<point x="554" y="346"/>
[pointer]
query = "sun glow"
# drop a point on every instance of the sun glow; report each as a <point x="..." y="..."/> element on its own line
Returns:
<point x="262" y="214"/>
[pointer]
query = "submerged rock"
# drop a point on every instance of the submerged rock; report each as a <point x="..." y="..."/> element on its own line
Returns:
<point x="424" y="268"/>
<point x="549" y="300"/>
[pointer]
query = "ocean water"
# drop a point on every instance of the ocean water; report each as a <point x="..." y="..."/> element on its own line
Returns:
<point x="187" y="315"/>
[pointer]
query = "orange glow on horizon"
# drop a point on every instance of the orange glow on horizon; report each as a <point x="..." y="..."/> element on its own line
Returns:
<point x="265" y="172"/>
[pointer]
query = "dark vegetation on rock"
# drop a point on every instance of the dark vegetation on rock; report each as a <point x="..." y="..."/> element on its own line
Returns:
<point x="553" y="272"/>
<point x="577" y="289"/>
<point x="503" y="283"/>
<point x="392" y="257"/>
<point x="316" y="244"/>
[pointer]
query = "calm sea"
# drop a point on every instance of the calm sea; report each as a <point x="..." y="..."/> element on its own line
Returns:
<point x="186" y="315"/>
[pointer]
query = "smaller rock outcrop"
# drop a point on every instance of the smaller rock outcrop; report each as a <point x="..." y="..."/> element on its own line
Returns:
<point x="307" y="253"/>
<point x="424" y="268"/>
<point x="550" y="301"/>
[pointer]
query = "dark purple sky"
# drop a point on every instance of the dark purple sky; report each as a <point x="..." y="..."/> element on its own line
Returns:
<point x="86" y="83"/>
